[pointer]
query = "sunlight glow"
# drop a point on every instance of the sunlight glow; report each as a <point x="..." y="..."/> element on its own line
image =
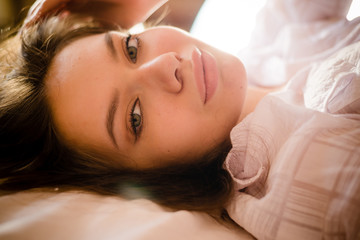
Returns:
<point x="214" y="23"/>
<point x="138" y="28"/>
<point x="354" y="10"/>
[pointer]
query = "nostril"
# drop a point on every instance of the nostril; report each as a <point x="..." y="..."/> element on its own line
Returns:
<point x="178" y="77"/>
<point x="178" y="58"/>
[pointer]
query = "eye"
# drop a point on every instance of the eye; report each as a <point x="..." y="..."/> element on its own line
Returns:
<point x="136" y="118"/>
<point x="132" y="46"/>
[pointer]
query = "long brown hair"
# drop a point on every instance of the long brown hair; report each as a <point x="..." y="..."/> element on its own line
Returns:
<point x="32" y="155"/>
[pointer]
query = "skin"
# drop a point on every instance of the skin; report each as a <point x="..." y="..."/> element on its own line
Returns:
<point x="177" y="125"/>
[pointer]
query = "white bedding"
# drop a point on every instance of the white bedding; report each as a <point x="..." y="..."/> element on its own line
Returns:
<point x="293" y="34"/>
<point x="83" y="216"/>
<point x="298" y="156"/>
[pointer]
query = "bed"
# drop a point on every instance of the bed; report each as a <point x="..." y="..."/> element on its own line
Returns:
<point x="73" y="215"/>
<point x="309" y="179"/>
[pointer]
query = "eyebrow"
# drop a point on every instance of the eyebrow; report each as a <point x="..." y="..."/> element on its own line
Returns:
<point x="111" y="115"/>
<point x="110" y="45"/>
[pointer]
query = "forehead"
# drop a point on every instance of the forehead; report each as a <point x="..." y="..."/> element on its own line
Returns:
<point x="77" y="99"/>
<point x="76" y="52"/>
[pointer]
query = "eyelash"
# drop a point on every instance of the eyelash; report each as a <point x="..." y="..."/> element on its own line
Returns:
<point x="136" y="110"/>
<point x="129" y="47"/>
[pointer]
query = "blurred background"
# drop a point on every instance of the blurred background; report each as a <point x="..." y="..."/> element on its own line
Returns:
<point x="12" y="11"/>
<point x="209" y="20"/>
<point x="180" y="13"/>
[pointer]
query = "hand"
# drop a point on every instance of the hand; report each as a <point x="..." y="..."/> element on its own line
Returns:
<point x="126" y="13"/>
<point x="41" y="8"/>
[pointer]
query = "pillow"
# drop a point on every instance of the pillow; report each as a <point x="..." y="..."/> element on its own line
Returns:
<point x="75" y="215"/>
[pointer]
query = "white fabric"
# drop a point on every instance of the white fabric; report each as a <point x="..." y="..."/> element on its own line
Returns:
<point x="82" y="216"/>
<point x="297" y="156"/>
<point x="292" y="34"/>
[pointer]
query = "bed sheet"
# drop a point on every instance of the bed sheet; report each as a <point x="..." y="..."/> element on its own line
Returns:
<point x="43" y="215"/>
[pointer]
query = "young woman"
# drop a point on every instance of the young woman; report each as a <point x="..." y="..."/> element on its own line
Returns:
<point x="84" y="105"/>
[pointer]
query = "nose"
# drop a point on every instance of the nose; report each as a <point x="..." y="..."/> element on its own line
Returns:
<point x="163" y="72"/>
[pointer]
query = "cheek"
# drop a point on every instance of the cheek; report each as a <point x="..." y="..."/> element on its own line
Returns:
<point x="234" y="83"/>
<point x="177" y="133"/>
<point x="167" y="40"/>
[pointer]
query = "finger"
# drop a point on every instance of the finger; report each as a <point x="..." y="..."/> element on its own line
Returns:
<point x="43" y="7"/>
<point x="34" y="9"/>
<point x="50" y="5"/>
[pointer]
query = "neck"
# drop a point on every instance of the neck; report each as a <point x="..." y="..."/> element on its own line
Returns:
<point x="253" y="97"/>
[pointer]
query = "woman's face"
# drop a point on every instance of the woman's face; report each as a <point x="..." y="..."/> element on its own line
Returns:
<point x="148" y="100"/>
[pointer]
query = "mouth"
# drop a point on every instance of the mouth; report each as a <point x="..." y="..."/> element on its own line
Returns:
<point x="206" y="74"/>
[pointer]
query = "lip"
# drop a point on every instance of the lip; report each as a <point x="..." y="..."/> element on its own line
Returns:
<point x="211" y="74"/>
<point x="206" y="74"/>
